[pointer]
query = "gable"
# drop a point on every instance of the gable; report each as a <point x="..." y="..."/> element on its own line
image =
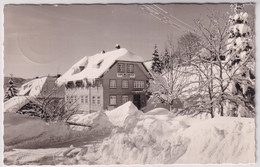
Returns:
<point x="139" y="72"/>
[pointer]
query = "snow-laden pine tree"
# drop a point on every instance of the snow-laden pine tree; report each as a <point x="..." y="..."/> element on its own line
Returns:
<point x="11" y="90"/>
<point x="165" y="59"/>
<point x="242" y="61"/>
<point x="173" y="83"/>
<point x="156" y="62"/>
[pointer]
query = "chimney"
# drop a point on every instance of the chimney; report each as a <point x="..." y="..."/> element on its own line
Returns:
<point x="117" y="46"/>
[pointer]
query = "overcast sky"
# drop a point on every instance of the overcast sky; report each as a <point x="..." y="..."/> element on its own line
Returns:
<point x="46" y="39"/>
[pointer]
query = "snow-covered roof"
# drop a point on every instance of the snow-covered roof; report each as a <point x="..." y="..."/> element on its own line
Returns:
<point x="16" y="103"/>
<point x="41" y="87"/>
<point x="33" y="87"/>
<point x="92" y="67"/>
<point x="148" y="64"/>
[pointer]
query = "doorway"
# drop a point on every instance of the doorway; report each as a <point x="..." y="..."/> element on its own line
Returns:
<point x="137" y="101"/>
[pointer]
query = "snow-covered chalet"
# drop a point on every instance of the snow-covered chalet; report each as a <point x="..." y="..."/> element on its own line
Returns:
<point x="106" y="80"/>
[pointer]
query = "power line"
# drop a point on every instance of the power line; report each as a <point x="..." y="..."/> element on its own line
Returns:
<point x="173" y="21"/>
<point x="174" y="17"/>
<point x="167" y="18"/>
<point x="153" y="12"/>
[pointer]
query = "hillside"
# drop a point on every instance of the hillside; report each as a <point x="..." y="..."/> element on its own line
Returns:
<point x="18" y="81"/>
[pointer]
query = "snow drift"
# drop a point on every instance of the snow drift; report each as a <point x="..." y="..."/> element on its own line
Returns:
<point x="124" y="114"/>
<point x="158" y="111"/>
<point x="96" y="122"/>
<point x="158" y="137"/>
<point x="220" y="140"/>
<point x="161" y="138"/>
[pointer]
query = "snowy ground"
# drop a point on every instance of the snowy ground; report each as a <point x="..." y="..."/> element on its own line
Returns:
<point x="156" y="137"/>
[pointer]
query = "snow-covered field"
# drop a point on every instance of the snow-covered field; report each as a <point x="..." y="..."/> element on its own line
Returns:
<point x="155" y="137"/>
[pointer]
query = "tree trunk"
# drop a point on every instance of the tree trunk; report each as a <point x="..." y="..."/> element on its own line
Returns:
<point x="211" y="112"/>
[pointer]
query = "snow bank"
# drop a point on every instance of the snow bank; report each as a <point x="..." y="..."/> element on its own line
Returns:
<point x="123" y="113"/>
<point x="32" y="156"/>
<point x="158" y="111"/>
<point x="148" y="142"/>
<point x="220" y="140"/>
<point x="163" y="139"/>
<point x="96" y="122"/>
<point x="93" y="67"/>
<point x="15" y="103"/>
<point x="158" y="139"/>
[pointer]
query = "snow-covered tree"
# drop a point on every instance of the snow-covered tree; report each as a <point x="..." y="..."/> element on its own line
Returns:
<point x="156" y="62"/>
<point x="188" y="46"/>
<point x="218" y="75"/>
<point x="242" y="60"/>
<point x="174" y="82"/>
<point x="226" y="69"/>
<point x="165" y="59"/>
<point x="207" y="56"/>
<point x="11" y="90"/>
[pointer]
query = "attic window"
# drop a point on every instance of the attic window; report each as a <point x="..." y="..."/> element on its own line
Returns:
<point x="99" y="64"/>
<point x="121" y="68"/>
<point x="130" y="68"/>
<point x="79" y="84"/>
<point x="70" y="85"/>
<point x="25" y="86"/>
<point x="81" y="68"/>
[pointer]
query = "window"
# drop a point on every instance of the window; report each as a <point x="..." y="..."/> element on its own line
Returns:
<point x="25" y="86"/>
<point x="70" y="85"/>
<point x="98" y="100"/>
<point x="112" y="83"/>
<point x="99" y="64"/>
<point x="124" y="99"/>
<point x="139" y="84"/>
<point x="121" y="68"/>
<point x="130" y="68"/>
<point x="82" y="99"/>
<point x="81" y="68"/>
<point x="86" y="99"/>
<point x="98" y="83"/>
<point x="79" y="84"/>
<point x="75" y="98"/>
<point x="112" y="100"/>
<point x="94" y="100"/>
<point x="71" y="99"/>
<point x="124" y="83"/>
<point x="37" y="87"/>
